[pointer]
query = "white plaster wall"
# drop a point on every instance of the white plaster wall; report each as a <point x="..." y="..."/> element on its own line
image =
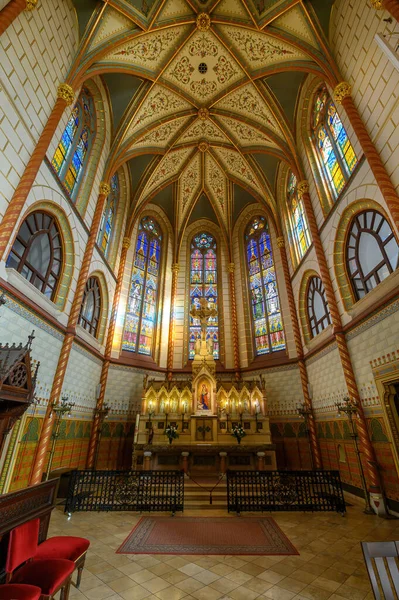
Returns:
<point x="283" y="389"/>
<point x="124" y="388"/>
<point x="326" y="377"/>
<point x="82" y="377"/>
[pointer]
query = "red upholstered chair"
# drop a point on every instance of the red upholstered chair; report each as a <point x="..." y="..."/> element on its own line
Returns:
<point x="50" y="575"/>
<point x="65" y="546"/>
<point x="19" y="591"/>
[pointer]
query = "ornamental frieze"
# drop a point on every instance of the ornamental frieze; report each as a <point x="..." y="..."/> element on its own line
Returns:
<point x="183" y="70"/>
<point x="203" y="45"/>
<point x="237" y="166"/>
<point x="189" y="182"/>
<point x="224" y="70"/>
<point x="203" y="88"/>
<point x="162" y="135"/>
<point x="248" y="102"/>
<point x="216" y="182"/>
<point x="258" y="47"/>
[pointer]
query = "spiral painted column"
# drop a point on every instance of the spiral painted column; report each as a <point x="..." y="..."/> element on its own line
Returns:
<point x="91" y="453"/>
<point x="392" y="6"/>
<point x="171" y="337"/>
<point x="350" y="380"/>
<point x="45" y="435"/>
<point x="12" y="10"/>
<point x="234" y="324"/>
<point x="342" y="95"/>
<point x="65" y="96"/>
<point x="314" y="443"/>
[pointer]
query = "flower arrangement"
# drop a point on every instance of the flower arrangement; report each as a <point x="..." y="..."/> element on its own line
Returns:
<point x="238" y="432"/>
<point x="171" y="433"/>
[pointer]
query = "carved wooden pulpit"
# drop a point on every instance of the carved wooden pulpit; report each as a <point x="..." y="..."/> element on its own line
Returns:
<point x="17" y="385"/>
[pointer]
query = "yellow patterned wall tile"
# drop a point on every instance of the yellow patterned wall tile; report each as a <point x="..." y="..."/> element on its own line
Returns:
<point x="203" y="68"/>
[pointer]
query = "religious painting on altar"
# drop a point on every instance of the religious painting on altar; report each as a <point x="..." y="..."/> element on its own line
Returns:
<point x="204" y="396"/>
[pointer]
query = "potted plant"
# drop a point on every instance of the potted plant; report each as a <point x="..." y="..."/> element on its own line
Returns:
<point x="171" y="433"/>
<point x="238" y="432"/>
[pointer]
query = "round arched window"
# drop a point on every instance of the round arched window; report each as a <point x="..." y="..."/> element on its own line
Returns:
<point x="37" y="252"/>
<point x="91" y="307"/>
<point x="372" y="252"/>
<point x="318" y="313"/>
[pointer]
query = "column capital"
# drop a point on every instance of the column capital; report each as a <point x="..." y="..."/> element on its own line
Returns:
<point x="175" y="267"/>
<point x="231" y="266"/>
<point x="126" y="243"/>
<point x="65" y="92"/>
<point x="30" y="5"/>
<point x="105" y="188"/>
<point x="302" y="188"/>
<point x="280" y="241"/>
<point x="342" y="90"/>
<point x="377" y="4"/>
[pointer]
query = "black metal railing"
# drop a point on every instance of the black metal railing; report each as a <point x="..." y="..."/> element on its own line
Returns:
<point x="126" y="490"/>
<point x="285" y="491"/>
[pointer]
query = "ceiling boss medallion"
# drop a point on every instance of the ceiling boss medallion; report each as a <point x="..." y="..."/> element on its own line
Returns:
<point x="203" y="22"/>
<point x="203" y="113"/>
<point x="203" y="146"/>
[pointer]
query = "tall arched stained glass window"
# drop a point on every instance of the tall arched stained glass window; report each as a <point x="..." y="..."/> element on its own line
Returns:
<point x="141" y="311"/>
<point x="336" y="155"/>
<point x="71" y="155"/>
<point x="203" y="284"/>
<point x="265" y="302"/>
<point x="108" y="218"/>
<point x="297" y="219"/>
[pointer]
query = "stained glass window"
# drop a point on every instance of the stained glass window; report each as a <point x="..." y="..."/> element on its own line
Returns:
<point x="203" y="284"/>
<point x="298" y="224"/>
<point x="108" y="218"/>
<point x="317" y="307"/>
<point x="334" y="150"/>
<point x="70" y="157"/>
<point x="265" y="302"/>
<point x="372" y="252"/>
<point x="141" y="311"/>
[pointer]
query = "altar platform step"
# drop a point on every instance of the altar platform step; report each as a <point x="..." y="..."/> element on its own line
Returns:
<point x="197" y="493"/>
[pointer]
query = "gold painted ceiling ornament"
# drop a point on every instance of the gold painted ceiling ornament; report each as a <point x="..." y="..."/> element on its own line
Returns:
<point x="203" y="146"/>
<point x="203" y="22"/>
<point x="280" y="241"/>
<point x="30" y="5"/>
<point x="105" y="188"/>
<point x="65" y="92"/>
<point x="126" y="243"/>
<point x="377" y="4"/>
<point x="302" y="188"/>
<point x="342" y="90"/>
<point x="203" y="113"/>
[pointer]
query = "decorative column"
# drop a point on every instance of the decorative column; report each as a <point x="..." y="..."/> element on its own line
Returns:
<point x="91" y="453"/>
<point x="171" y="337"/>
<point x="236" y="348"/>
<point x="342" y="95"/>
<point x="12" y="10"/>
<point x="260" y="461"/>
<point x="392" y="6"/>
<point x="370" y="458"/>
<point x="314" y="443"/>
<point x="65" y="96"/>
<point x="59" y="376"/>
<point x="147" y="461"/>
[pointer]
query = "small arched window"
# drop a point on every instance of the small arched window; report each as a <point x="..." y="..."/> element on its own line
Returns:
<point x="90" y="311"/>
<point x="265" y="301"/>
<point x="335" y="153"/>
<point x="37" y="252"/>
<point x="108" y="218"/>
<point x="141" y="311"/>
<point x="372" y="252"/>
<point x="318" y="312"/>
<point x="298" y="224"/>
<point x="73" y="150"/>
<point x="203" y="284"/>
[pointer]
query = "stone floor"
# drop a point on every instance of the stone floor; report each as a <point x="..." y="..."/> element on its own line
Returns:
<point x="330" y="564"/>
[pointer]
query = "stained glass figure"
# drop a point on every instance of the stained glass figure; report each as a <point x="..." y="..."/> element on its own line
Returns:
<point x="108" y="217"/>
<point x="265" y="301"/>
<point x="203" y="283"/>
<point x="72" y="151"/>
<point x="297" y="225"/>
<point x="141" y="311"/>
<point x="333" y="148"/>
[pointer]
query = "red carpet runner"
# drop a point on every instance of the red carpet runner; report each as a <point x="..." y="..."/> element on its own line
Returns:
<point x="201" y="535"/>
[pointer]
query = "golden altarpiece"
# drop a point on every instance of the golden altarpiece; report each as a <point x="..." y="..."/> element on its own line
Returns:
<point x="204" y="409"/>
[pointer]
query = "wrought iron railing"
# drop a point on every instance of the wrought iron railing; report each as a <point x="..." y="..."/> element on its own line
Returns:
<point x="126" y="490"/>
<point x="285" y="491"/>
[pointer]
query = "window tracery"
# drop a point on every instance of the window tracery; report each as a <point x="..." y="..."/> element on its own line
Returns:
<point x="141" y="311"/>
<point x="297" y="221"/>
<point x="265" y="302"/>
<point x="317" y="307"/>
<point x="203" y="284"/>
<point x="37" y="252"/>
<point x="108" y="217"/>
<point x="90" y="310"/>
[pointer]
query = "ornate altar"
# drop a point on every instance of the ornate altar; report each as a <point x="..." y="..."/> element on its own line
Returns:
<point x="204" y="409"/>
<point x="17" y="384"/>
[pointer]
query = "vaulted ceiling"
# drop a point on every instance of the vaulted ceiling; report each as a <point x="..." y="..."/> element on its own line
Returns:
<point x="203" y="94"/>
